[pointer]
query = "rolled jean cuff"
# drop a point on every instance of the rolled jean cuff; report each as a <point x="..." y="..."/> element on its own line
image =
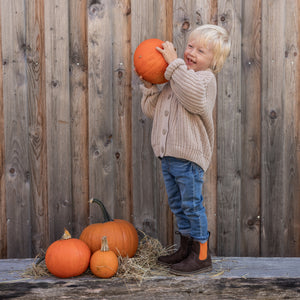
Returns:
<point x="202" y="240"/>
<point x="185" y="232"/>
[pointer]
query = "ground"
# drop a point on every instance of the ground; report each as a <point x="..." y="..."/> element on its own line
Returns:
<point x="231" y="278"/>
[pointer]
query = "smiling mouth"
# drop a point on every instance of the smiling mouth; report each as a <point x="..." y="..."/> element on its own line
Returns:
<point x="189" y="61"/>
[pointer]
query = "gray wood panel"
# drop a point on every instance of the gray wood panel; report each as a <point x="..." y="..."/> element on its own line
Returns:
<point x="58" y="116"/>
<point x="71" y="125"/>
<point x="16" y="165"/>
<point x="37" y="135"/>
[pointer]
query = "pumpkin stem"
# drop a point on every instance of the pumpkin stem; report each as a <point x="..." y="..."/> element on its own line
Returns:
<point x="66" y="235"/>
<point x="104" y="244"/>
<point x="106" y="215"/>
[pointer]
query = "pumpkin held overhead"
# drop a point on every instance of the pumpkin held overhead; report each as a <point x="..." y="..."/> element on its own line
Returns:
<point x="149" y="63"/>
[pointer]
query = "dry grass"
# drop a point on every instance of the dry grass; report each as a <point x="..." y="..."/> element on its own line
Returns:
<point x="143" y="264"/>
<point x="140" y="267"/>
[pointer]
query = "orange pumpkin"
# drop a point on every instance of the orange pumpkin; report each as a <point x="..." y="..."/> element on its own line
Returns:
<point x="104" y="262"/>
<point x="67" y="257"/>
<point x="121" y="235"/>
<point x="149" y="63"/>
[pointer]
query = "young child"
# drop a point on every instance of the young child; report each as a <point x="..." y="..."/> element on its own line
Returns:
<point x="183" y="138"/>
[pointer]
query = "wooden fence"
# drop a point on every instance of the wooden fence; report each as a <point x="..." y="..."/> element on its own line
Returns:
<point x="71" y="126"/>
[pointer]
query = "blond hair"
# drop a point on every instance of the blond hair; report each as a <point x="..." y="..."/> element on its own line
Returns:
<point x="218" y="39"/>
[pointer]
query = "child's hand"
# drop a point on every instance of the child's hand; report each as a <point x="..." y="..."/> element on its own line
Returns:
<point x="168" y="52"/>
<point x="147" y="84"/>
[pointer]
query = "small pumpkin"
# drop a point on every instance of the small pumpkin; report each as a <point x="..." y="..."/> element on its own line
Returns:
<point x="67" y="257"/>
<point x="149" y="63"/>
<point x="121" y="235"/>
<point x="104" y="262"/>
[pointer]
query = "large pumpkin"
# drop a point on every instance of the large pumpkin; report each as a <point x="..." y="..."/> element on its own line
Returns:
<point x="67" y="257"/>
<point x="149" y="63"/>
<point x="104" y="262"/>
<point x="121" y="235"/>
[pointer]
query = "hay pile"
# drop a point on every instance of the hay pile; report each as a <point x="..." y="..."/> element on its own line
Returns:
<point x="140" y="267"/>
<point x="143" y="264"/>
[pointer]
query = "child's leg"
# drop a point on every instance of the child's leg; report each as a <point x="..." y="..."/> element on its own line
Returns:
<point x="192" y="202"/>
<point x="170" y="170"/>
<point x="188" y="179"/>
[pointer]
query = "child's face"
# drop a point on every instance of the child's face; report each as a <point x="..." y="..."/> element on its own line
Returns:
<point x="197" y="56"/>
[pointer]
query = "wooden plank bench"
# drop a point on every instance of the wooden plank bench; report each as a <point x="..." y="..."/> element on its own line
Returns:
<point x="231" y="278"/>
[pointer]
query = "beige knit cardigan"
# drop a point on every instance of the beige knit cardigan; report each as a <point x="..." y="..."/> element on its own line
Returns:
<point x="182" y="114"/>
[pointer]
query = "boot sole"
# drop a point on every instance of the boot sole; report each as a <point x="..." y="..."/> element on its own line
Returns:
<point x="204" y="270"/>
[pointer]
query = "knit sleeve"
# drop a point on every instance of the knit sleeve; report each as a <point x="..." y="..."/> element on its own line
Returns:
<point x="149" y="100"/>
<point x="196" y="91"/>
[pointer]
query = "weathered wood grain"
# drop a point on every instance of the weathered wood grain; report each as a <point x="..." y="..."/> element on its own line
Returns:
<point x="291" y="130"/>
<point x="231" y="278"/>
<point x="101" y="138"/>
<point x="3" y="227"/>
<point x="79" y="115"/>
<point x="229" y="141"/>
<point x="58" y="116"/>
<point x="145" y="167"/>
<point x="273" y="116"/>
<point x="206" y="13"/>
<point x="165" y="218"/>
<point x="17" y="177"/>
<point x="251" y="130"/>
<point x="37" y="136"/>
<point x="296" y="208"/>
<point x="122" y="107"/>
<point x="71" y="125"/>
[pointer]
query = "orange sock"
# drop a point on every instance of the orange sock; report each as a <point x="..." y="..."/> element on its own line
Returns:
<point x="203" y="251"/>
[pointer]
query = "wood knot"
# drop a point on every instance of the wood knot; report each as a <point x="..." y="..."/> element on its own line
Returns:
<point x="185" y="25"/>
<point x="54" y="83"/>
<point x="273" y="115"/>
<point x="12" y="171"/>
<point x="96" y="9"/>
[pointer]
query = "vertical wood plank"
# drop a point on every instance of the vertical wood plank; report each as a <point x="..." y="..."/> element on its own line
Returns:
<point x="206" y="13"/>
<point x="273" y="66"/>
<point x="58" y="116"/>
<point x="100" y="105"/>
<point x="209" y="15"/>
<point x="121" y="105"/>
<point x="296" y="204"/>
<point x="165" y="222"/>
<point x="229" y="134"/>
<point x="37" y="147"/>
<point x="291" y="130"/>
<point x="79" y="114"/>
<point x="17" y="179"/>
<point x="251" y="129"/>
<point x="187" y="16"/>
<point x="148" y="21"/>
<point x="3" y="227"/>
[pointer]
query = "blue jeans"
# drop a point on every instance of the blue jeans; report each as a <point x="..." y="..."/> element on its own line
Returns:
<point x="183" y="181"/>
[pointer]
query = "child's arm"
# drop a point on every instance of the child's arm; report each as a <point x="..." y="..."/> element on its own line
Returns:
<point x="149" y="99"/>
<point x="196" y="91"/>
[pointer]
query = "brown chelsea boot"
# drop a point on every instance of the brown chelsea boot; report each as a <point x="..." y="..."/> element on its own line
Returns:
<point x="198" y="261"/>
<point x="182" y="253"/>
